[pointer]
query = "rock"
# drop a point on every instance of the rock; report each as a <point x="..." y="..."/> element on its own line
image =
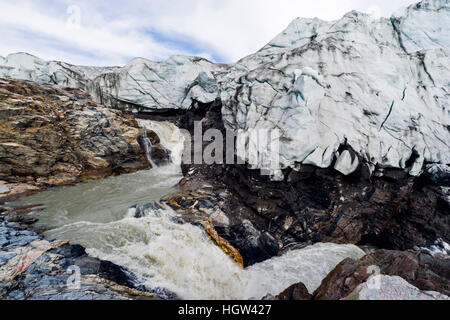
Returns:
<point x="223" y="244"/>
<point x="324" y="206"/>
<point x="423" y="270"/>
<point x="295" y="292"/>
<point x="63" y="140"/>
<point x="255" y="246"/>
<point x="5" y="257"/>
<point x="439" y="174"/>
<point x="153" y="136"/>
<point x="385" y="288"/>
<point x="42" y="270"/>
<point x="4" y="189"/>
<point x="158" y="154"/>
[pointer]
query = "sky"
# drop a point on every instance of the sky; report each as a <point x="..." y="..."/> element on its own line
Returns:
<point x="112" y="32"/>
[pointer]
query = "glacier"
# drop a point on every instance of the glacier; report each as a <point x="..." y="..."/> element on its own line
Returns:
<point x="353" y="93"/>
<point x="141" y="84"/>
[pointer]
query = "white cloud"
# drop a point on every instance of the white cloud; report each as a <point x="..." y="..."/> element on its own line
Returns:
<point x="113" y="32"/>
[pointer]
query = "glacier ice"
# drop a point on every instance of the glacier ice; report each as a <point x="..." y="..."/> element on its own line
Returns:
<point x="345" y="93"/>
<point x="357" y="83"/>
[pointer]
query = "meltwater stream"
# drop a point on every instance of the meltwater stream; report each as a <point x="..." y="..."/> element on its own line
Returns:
<point x="159" y="250"/>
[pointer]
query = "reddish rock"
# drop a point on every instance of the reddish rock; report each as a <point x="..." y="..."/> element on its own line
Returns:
<point x="295" y="292"/>
<point x="421" y="269"/>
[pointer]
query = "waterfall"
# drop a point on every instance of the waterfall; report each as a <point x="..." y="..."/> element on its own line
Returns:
<point x="148" y="149"/>
<point x="182" y="259"/>
<point x="161" y="251"/>
<point x="170" y="135"/>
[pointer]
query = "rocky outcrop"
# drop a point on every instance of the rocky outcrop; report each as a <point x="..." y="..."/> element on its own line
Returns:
<point x="421" y="269"/>
<point x="296" y="292"/>
<point x="32" y="268"/>
<point x="53" y="136"/>
<point x="319" y="205"/>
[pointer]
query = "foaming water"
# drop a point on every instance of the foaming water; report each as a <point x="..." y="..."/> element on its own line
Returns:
<point x="101" y="201"/>
<point x="161" y="251"/>
<point x="181" y="258"/>
<point x="164" y="253"/>
<point x="170" y="136"/>
<point x="309" y="265"/>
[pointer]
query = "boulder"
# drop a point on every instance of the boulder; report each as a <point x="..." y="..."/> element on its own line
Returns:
<point x="295" y="292"/>
<point x="421" y="269"/>
<point x="254" y="245"/>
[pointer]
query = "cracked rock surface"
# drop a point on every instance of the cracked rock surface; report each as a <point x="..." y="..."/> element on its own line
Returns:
<point x="51" y="136"/>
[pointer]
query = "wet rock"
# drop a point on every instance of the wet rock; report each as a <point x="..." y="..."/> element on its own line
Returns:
<point x="152" y="136"/>
<point x="223" y="244"/>
<point x="42" y="270"/>
<point x="254" y="246"/>
<point x="140" y="211"/>
<point x="421" y="269"/>
<point x="158" y="154"/>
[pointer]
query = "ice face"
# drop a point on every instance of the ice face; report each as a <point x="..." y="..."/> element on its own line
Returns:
<point x="357" y="82"/>
<point x="377" y="88"/>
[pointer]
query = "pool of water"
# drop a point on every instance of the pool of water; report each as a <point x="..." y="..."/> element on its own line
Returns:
<point x="100" y="201"/>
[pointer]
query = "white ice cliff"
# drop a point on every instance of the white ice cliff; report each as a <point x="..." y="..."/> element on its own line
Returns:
<point x="347" y="93"/>
<point x="142" y="83"/>
<point x="365" y="84"/>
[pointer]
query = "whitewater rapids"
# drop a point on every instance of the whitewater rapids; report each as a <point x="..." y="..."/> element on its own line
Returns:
<point x="182" y="259"/>
<point x="161" y="251"/>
